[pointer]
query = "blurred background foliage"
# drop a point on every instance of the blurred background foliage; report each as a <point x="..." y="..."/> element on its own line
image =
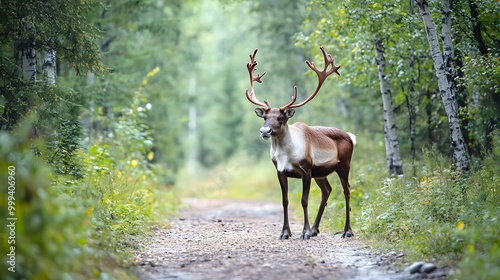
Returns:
<point x="148" y="106"/>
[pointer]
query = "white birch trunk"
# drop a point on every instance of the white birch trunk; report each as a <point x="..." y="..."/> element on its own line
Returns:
<point x="445" y="88"/>
<point x="393" y="155"/>
<point x="446" y="38"/>
<point x="29" y="64"/>
<point x="448" y="55"/>
<point x="49" y="65"/>
<point x="388" y="149"/>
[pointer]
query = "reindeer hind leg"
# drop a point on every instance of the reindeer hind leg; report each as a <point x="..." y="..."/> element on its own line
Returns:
<point x="344" y="180"/>
<point x="326" y="189"/>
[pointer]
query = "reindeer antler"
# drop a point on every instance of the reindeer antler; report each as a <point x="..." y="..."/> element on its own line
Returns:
<point x="322" y="75"/>
<point x="251" y="96"/>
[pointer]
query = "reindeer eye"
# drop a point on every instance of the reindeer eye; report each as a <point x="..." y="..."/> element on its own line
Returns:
<point x="281" y="119"/>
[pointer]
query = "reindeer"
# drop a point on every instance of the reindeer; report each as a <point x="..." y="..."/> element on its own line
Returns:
<point x="302" y="151"/>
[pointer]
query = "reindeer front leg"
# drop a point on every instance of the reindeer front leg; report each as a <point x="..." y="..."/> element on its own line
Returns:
<point x="283" y="179"/>
<point x="306" y="186"/>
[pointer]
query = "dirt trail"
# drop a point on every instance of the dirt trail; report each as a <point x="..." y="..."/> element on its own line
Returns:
<point x="230" y="239"/>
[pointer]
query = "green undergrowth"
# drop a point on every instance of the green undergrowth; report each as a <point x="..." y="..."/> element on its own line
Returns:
<point x="438" y="214"/>
<point x="79" y="228"/>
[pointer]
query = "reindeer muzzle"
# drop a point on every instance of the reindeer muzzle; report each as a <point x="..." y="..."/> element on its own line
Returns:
<point x="265" y="132"/>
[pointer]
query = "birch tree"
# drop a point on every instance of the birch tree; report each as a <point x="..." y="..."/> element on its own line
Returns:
<point x="29" y="63"/>
<point x="442" y="65"/>
<point x="393" y="155"/>
<point x="49" y="65"/>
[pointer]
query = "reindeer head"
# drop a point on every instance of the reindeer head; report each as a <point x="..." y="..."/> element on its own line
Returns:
<point x="276" y="118"/>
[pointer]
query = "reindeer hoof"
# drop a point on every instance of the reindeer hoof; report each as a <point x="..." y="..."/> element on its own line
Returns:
<point x="314" y="232"/>
<point x="284" y="236"/>
<point x="347" y="234"/>
<point x="305" y="236"/>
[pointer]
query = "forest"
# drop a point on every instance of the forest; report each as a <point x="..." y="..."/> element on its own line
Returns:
<point x="112" y="111"/>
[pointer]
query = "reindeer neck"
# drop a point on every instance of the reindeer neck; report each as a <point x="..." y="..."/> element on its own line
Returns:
<point x="283" y="139"/>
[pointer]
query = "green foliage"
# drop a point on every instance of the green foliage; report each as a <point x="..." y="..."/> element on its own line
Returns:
<point x="58" y="122"/>
<point x="59" y="25"/>
<point x="62" y="151"/>
<point x="483" y="72"/>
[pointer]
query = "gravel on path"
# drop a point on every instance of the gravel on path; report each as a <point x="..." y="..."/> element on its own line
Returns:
<point x="234" y="239"/>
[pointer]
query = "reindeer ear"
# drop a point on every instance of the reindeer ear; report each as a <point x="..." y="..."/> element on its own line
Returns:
<point x="261" y="112"/>
<point x="289" y="113"/>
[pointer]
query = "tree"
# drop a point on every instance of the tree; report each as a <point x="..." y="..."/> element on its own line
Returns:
<point x="443" y="65"/>
<point x="393" y="156"/>
<point x="49" y="65"/>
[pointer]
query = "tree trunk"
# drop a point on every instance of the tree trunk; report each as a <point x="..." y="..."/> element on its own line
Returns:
<point x="445" y="89"/>
<point x="448" y="55"/>
<point x="29" y="63"/>
<point x="388" y="151"/>
<point x="49" y="65"/>
<point x="393" y="155"/>
<point x="476" y="28"/>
